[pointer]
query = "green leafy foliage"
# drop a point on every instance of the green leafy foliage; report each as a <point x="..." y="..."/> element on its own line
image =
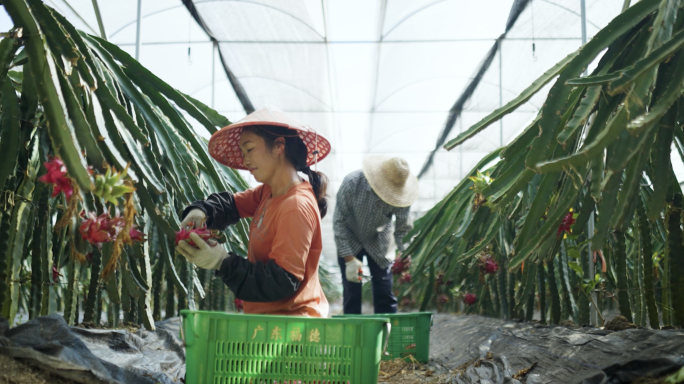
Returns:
<point x="601" y="147"/>
<point x="75" y="100"/>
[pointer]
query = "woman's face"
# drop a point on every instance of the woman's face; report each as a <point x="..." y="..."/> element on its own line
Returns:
<point x="261" y="161"/>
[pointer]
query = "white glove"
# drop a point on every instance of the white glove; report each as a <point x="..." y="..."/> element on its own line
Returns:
<point x="354" y="270"/>
<point x="195" y="217"/>
<point x="206" y="256"/>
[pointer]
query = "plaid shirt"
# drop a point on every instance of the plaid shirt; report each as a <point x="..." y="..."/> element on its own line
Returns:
<point x="363" y="221"/>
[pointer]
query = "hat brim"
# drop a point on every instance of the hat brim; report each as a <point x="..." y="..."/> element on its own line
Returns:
<point x="396" y="197"/>
<point x="224" y="145"/>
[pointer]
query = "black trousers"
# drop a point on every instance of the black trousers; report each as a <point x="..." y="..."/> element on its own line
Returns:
<point x="381" y="280"/>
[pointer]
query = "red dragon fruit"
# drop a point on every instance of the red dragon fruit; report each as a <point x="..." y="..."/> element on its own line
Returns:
<point x="100" y="229"/>
<point x="401" y="265"/>
<point x="469" y="298"/>
<point x="55" y="273"/>
<point x="56" y="175"/>
<point x="566" y="224"/>
<point x="488" y="265"/>
<point x="135" y="235"/>
<point x="55" y="170"/>
<point x="184" y="234"/>
<point x="405" y="278"/>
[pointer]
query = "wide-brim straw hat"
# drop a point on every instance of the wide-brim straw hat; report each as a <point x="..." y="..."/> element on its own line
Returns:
<point x="224" y="145"/>
<point x="391" y="180"/>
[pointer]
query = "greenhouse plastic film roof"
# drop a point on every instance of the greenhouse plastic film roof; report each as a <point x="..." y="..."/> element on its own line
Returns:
<point x="372" y="76"/>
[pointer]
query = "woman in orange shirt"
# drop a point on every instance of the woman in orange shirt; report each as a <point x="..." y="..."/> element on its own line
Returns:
<point x="280" y="274"/>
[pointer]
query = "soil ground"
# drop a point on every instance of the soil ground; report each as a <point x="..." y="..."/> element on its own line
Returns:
<point x="402" y="372"/>
<point x="391" y="372"/>
<point x="16" y="372"/>
<point x="13" y="371"/>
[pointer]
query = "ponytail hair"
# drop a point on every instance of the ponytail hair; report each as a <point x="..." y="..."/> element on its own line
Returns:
<point x="319" y="183"/>
<point x="295" y="153"/>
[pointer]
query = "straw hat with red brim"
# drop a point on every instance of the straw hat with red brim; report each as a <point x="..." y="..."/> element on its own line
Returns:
<point x="224" y="145"/>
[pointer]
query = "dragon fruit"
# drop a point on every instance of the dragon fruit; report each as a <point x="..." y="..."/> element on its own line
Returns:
<point x="55" y="273"/>
<point x="480" y="181"/>
<point x="100" y="229"/>
<point x="184" y="234"/>
<point x="405" y="278"/>
<point x="111" y="185"/>
<point x="55" y="170"/>
<point x="566" y="224"/>
<point x="135" y="235"/>
<point x="57" y="176"/>
<point x="401" y="265"/>
<point x="469" y="298"/>
<point x="488" y="265"/>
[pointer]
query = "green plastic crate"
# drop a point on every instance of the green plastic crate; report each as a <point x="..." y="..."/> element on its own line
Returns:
<point x="226" y="348"/>
<point x="410" y="334"/>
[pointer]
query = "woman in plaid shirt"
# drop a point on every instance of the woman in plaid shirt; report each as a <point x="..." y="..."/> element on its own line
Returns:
<point x="362" y="222"/>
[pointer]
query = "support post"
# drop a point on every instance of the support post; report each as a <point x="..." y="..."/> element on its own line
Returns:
<point x="434" y="182"/>
<point x="460" y="147"/>
<point x="593" y="315"/>
<point x="137" y="32"/>
<point x="501" y="90"/>
<point x="583" y="15"/>
<point x="100" y="23"/>
<point x="213" y="72"/>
